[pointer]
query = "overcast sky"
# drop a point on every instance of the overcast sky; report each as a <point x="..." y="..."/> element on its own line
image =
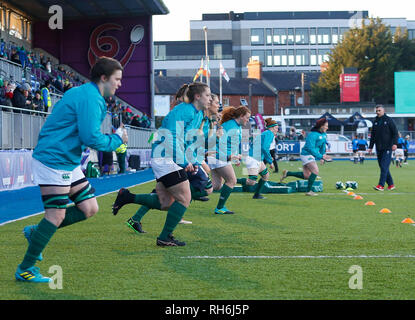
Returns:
<point x="175" y="25"/>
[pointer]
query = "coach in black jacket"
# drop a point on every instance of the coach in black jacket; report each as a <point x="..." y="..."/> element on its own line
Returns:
<point x="385" y="136"/>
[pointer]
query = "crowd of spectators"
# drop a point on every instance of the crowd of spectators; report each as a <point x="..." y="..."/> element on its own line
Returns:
<point x="124" y="114"/>
<point x="56" y="79"/>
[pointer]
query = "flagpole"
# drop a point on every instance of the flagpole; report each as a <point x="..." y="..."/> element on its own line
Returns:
<point x="220" y="84"/>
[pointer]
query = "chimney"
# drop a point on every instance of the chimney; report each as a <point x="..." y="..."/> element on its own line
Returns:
<point x="254" y="69"/>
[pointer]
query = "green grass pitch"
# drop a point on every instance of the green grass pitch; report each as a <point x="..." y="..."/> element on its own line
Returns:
<point x="283" y="247"/>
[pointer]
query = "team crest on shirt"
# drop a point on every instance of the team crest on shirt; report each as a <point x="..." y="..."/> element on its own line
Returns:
<point x="66" y="176"/>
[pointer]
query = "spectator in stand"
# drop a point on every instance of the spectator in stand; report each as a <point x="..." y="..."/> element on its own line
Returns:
<point x="37" y="103"/>
<point x="4" y="99"/>
<point x="302" y="136"/>
<point x="48" y="66"/>
<point x="135" y="121"/>
<point x="42" y="61"/>
<point x="14" y="56"/>
<point x="45" y="96"/>
<point x="68" y="85"/>
<point x="21" y="98"/>
<point x="3" y="53"/>
<point x="126" y="115"/>
<point x="58" y="84"/>
<point x="144" y="121"/>
<point x="22" y="56"/>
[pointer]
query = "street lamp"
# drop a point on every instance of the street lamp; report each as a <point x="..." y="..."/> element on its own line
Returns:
<point x="206" y="57"/>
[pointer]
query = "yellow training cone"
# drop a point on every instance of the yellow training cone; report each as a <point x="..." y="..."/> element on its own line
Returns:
<point x="385" y="210"/>
<point x="369" y="203"/>
<point x="358" y="198"/>
<point x="408" y="220"/>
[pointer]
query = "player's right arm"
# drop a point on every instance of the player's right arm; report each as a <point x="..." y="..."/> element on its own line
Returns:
<point x="89" y="115"/>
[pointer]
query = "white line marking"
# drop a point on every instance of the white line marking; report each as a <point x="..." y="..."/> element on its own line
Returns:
<point x="302" y="257"/>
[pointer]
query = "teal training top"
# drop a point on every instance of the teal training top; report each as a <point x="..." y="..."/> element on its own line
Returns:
<point x="266" y="138"/>
<point x="75" y="123"/>
<point x="315" y="145"/>
<point x="172" y="141"/>
<point x="230" y="143"/>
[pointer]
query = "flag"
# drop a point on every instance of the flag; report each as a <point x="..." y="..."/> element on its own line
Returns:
<point x="199" y="72"/>
<point x="206" y="69"/>
<point x="223" y="72"/>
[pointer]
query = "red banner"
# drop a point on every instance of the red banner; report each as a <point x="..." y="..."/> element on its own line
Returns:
<point x="349" y="88"/>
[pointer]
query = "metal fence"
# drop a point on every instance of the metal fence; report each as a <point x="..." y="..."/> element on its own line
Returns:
<point x="21" y="130"/>
<point x="13" y="70"/>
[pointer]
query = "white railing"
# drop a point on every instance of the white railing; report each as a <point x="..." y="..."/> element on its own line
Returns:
<point x="19" y="129"/>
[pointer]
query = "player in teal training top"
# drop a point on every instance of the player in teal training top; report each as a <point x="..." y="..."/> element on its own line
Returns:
<point x="171" y="163"/>
<point x="256" y="163"/>
<point x="313" y="150"/>
<point x="74" y="124"/>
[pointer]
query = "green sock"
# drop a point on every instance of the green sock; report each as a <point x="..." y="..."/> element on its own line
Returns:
<point x="150" y="200"/>
<point x="241" y="181"/>
<point x="259" y="186"/>
<point x="72" y="215"/>
<point x="298" y="174"/>
<point x="311" y="180"/>
<point x="225" y="192"/>
<point x="140" y="213"/>
<point x="174" y="215"/>
<point x="196" y="194"/>
<point x="38" y="241"/>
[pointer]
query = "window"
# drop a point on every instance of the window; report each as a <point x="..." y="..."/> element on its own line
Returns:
<point x="290" y="39"/>
<point x="269" y="36"/>
<point x="342" y="32"/>
<point x="292" y="98"/>
<point x="217" y="51"/>
<point x="313" y="37"/>
<point x="225" y="102"/>
<point x="411" y="34"/>
<point x="301" y="36"/>
<point x="15" y="26"/>
<point x="280" y="36"/>
<point x="243" y="102"/>
<point x="335" y="35"/>
<point x="323" y="56"/>
<point x="261" y="106"/>
<point x="301" y="57"/>
<point x="160" y="52"/>
<point x="280" y="58"/>
<point x="258" y="55"/>
<point x="313" y="57"/>
<point x="291" y="58"/>
<point x="268" y="58"/>
<point x="257" y="36"/>
<point x="323" y="36"/>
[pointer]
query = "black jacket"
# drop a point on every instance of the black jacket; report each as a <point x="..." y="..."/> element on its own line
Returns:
<point x="384" y="133"/>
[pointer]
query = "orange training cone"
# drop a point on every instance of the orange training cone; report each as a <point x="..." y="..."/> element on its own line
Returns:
<point x="358" y="198"/>
<point x="385" y="210"/>
<point x="369" y="203"/>
<point x="408" y="220"/>
<point x="351" y="194"/>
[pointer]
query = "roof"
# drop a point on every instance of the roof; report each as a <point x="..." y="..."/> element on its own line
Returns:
<point x="236" y="86"/>
<point x="288" y="15"/>
<point x="284" y="81"/>
<point x="91" y="9"/>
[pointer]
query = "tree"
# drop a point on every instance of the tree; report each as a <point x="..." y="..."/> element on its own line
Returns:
<point x="376" y="54"/>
